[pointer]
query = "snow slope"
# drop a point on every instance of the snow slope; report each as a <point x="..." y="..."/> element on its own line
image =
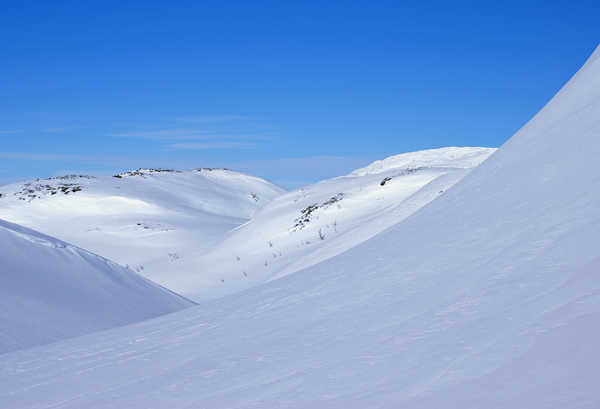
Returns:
<point x="306" y="226"/>
<point x="147" y="219"/>
<point x="50" y="290"/>
<point x="487" y="297"/>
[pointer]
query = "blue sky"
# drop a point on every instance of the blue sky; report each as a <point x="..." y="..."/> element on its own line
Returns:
<point x="291" y="91"/>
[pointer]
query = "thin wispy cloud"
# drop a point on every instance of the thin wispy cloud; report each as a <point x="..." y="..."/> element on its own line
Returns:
<point x="103" y="160"/>
<point x="165" y="134"/>
<point x="43" y="130"/>
<point x="61" y="129"/>
<point x="212" y="139"/>
<point x="204" y="132"/>
<point x="312" y="166"/>
<point x="206" y="119"/>
<point x="40" y="156"/>
<point x="211" y="145"/>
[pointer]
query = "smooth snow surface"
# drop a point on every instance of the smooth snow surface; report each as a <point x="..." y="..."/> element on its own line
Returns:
<point x="488" y="297"/>
<point x="149" y="220"/>
<point x="211" y="232"/>
<point x="454" y="158"/>
<point x="309" y="225"/>
<point x="50" y="290"/>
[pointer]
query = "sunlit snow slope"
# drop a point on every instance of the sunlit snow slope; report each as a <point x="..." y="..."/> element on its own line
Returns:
<point x="50" y="290"/>
<point x="150" y="220"/>
<point x="306" y="226"/>
<point x="487" y="297"/>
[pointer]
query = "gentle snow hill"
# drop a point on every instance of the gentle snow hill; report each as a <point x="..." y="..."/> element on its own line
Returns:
<point x="452" y="157"/>
<point x="50" y="290"/>
<point x="147" y="219"/>
<point x="306" y="226"/>
<point x="487" y="297"/>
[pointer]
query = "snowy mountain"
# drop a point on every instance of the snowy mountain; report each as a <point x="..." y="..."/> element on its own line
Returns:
<point x="146" y="219"/>
<point x="306" y="226"/>
<point x="51" y="290"/>
<point x="487" y="297"/>
<point x="190" y="232"/>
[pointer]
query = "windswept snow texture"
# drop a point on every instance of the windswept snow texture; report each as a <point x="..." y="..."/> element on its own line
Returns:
<point x="50" y="290"/>
<point x="151" y="220"/>
<point x="488" y="297"/>
<point x="309" y="225"/>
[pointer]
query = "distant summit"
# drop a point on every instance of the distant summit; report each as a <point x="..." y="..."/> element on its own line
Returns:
<point x="451" y="157"/>
<point x="309" y="225"/>
<point x="151" y="220"/>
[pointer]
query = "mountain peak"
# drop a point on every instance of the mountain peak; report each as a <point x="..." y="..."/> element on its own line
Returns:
<point x="451" y="157"/>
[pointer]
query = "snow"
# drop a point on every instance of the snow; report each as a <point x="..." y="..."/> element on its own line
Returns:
<point x="149" y="220"/>
<point x="486" y="297"/>
<point x="454" y="157"/>
<point x="309" y="225"/>
<point x="212" y="232"/>
<point x="51" y="290"/>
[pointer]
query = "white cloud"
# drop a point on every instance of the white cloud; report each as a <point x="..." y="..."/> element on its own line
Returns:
<point x="205" y="119"/>
<point x="121" y="161"/>
<point x="211" y="145"/>
<point x="60" y="129"/>
<point x="166" y="134"/>
<point x="39" y="156"/>
<point x="307" y="166"/>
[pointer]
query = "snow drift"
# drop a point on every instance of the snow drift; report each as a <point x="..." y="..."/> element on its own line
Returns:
<point x="50" y="290"/>
<point x="488" y="297"/>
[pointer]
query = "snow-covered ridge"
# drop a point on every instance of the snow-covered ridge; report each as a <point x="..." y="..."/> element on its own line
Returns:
<point x="451" y="157"/>
<point x="147" y="219"/>
<point x="39" y="188"/>
<point x="143" y="172"/>
<point x="311" y="224"/>
<point x="51" y="290"/>
<point x="209" y="232"/>
<point x="157" y="178"/>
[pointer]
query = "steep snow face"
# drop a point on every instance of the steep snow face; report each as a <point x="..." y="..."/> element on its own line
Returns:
<point x="311" y="224"/>
<point x="146" y="219"/>
<point x="488" y="297"/>
<point x="51" y="290"/>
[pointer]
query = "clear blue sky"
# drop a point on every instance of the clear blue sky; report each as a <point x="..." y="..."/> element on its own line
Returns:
<point x="291" y="91"/>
